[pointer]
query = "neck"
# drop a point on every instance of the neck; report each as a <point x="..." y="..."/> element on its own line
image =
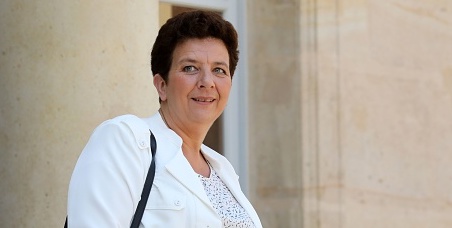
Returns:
<point x="192" y="137"/>
<point x="192" y="134"/>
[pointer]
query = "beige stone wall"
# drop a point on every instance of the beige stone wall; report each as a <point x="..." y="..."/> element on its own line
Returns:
<point x="361" y="103"/>
<point x="395" y="113"/>
<point x="65" y="66"/>
<point x="275" y="113"/>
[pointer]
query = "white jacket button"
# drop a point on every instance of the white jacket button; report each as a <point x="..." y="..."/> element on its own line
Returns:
<point x="142" y="143"/>
<point x="177" y="202"/>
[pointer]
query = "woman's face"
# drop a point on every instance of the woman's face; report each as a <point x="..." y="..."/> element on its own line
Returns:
<point x="199" y="81"/>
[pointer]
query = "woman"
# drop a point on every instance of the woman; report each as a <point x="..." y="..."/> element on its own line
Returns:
<point x="193" y="61"/>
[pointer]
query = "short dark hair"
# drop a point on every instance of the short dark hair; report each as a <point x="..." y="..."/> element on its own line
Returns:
<point x="194" y="24"/>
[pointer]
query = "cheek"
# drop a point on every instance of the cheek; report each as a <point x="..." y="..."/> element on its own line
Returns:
<point x="224" y="89"/>
<point x="181" y="85"/>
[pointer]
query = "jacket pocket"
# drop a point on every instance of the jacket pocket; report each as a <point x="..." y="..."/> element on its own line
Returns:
<point x="166" y="202"/>
<point x="166" y="208"/>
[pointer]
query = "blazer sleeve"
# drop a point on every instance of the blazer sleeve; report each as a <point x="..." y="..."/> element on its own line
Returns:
<point x="108" y="178"/>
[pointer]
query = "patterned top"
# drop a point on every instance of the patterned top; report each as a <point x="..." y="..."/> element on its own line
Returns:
<point x="224" y="203"/>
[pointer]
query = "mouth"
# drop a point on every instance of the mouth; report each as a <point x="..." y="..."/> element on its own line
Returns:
<point x="210" y="100"/>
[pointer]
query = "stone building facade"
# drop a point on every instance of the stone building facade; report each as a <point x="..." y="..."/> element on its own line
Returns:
<point x="348" y="104"/>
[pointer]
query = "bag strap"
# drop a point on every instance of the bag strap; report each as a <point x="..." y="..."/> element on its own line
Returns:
<point x="146" y="188"/>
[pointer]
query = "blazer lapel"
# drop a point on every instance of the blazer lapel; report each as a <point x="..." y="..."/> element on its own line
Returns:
<point x="182" y="171"/>
<point x="227" y="174"/>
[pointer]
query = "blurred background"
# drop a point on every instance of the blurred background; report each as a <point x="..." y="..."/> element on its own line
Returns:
<point x="340" y="114"/>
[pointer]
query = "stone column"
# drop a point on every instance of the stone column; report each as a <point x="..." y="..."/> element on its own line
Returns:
<point x="65" y="66"/>
<point x="275" y="111"/>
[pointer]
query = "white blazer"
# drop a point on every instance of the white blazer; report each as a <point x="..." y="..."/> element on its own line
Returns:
<point x="108" y="179"/>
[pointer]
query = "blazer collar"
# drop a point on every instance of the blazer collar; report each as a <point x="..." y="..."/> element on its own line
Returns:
<point x="227" y="174"/>
<point x="173" y="159"/>
<point x="182" y="171"/>
<point x="158" y="126"/>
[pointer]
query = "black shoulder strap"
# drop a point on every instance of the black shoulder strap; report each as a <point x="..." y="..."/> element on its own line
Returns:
<point x="146" y="188"/>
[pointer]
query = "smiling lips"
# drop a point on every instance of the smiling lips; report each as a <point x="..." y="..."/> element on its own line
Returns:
<point x="203" y="99"/>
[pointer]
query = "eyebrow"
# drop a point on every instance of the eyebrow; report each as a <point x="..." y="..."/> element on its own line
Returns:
<point x="190" y="60"/>
<point x="222" y="63"/>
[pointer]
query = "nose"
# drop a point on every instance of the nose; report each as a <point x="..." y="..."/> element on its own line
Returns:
<point x="206" y="79"/>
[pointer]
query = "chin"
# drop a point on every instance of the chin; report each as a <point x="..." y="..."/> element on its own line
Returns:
<point x="205" y="118"/>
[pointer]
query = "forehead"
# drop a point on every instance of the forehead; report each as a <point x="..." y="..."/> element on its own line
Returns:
<point x="195" y="48"/>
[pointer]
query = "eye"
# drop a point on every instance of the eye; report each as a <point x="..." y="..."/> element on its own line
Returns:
<point x="189" y="69"/>
<point x="219" y="71"/>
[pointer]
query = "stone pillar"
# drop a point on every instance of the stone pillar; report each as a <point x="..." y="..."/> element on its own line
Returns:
<point x="275" y="111"/>
<point x="65" y="66"/>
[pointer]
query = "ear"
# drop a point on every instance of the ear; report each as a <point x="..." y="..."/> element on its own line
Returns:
<point x="160" y="85"/>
